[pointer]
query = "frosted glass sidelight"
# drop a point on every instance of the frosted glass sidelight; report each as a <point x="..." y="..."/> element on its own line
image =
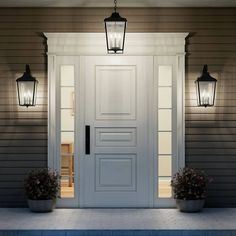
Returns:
<point x="67" y="75"/>
<point x="164" y="120"/>
<point x="164" y="143"/>
<point x="67" y="109"/>
<point x="164" y="97"/>
<point x="164" y="166"/>
<point x="165" y="75"/>
<point x="164" y="188"/>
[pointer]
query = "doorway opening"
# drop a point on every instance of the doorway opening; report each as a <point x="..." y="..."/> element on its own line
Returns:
<point x="116" y="123"/>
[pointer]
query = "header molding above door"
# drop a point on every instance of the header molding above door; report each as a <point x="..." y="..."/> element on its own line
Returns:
<point x="136" y="43"/>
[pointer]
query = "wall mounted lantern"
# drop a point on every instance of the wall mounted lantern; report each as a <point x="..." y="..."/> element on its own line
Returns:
<point x="115" y="27"/>
<point x="27" y="88"/>
<point x="206" y="88"/>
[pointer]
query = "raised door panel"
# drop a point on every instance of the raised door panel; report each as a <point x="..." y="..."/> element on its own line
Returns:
<point x="115" y="137"/>
<point x="115" y="92"/>
<point x="116" y="172"/>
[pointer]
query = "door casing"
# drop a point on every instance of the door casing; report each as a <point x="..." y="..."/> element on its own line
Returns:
<point x="74" y="45"/>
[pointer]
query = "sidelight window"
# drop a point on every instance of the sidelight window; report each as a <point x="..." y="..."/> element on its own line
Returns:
<point x="164" y="137"/>
<point x="67" y="130"/>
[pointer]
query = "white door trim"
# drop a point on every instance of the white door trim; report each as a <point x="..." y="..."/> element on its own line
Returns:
<point x="142" y="44"/>
<point x="148" y="44"/>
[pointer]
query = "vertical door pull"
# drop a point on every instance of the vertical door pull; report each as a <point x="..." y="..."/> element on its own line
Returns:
<point x="87" y="139"/>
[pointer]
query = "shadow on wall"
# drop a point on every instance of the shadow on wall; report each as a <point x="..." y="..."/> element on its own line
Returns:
<point x="23" y="131"/>
<point x="210" y="132"/>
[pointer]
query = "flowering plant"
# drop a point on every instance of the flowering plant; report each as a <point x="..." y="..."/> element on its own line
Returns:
<point x="190" y="184"/>
<point x="42" y="184"/>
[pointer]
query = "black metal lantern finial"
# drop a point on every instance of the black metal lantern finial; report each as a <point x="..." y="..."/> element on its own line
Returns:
<point x="115" y="27"/>
<point x="206" y="88"/>
<point x="27" y="88"/>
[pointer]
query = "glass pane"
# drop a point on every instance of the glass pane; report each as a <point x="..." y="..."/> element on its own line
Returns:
<point x="164" y="98"/>
<point x="67" y="97"/>
<point x="164" y="143"/>
<point x="67" y="120"/>
<point x="67" y="75"/>
<point x="164" y="166"/>
<point x="67" y="137"/>
<point x="115" y="34"/>
<point x="206" y="92"/>
<point x="165" y="75"/>
<point x="67" y="170"/>
<point x="26" y="91"/>
<point x="164" y="120"/>
<point x="164" y="188"/>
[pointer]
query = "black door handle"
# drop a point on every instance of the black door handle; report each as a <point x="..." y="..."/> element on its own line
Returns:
<point x="87" y="139"/>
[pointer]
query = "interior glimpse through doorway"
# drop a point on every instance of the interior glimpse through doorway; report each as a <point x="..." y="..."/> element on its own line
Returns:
<point x="67" y="170"/>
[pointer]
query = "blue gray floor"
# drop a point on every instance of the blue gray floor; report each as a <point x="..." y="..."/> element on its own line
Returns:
<point x="117" y="222"/>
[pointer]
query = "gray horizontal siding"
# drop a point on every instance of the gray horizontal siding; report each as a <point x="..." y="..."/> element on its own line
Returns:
<point x="210" y="133"/>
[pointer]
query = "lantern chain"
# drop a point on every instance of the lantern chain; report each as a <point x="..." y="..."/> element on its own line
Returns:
<point x="115" y="2"/>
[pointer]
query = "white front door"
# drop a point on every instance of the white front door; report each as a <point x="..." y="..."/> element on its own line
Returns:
<point x="116" y="168"/>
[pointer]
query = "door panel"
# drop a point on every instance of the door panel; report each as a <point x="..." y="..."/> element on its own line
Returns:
<point x="115" y="92"/>
<point x="115" y="137"/>
<point x="117" y="170"/>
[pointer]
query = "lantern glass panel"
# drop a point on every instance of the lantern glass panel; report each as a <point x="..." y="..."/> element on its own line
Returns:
<point x="206" y="93"/>
<point x="26" y="92"/>
<point x="115" y="36"/>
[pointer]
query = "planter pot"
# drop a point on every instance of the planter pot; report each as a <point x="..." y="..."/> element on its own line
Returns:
<point x="190" y="205"/>
<point x="42" y="205"/>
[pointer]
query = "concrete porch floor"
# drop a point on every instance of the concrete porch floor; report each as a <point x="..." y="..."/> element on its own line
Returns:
<point x="110" y="221"/>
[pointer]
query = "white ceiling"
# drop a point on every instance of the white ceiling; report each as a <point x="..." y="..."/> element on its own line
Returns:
<point x="121" y="3"/>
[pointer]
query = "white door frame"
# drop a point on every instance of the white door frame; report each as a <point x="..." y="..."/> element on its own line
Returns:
<point x="141" y="44"/>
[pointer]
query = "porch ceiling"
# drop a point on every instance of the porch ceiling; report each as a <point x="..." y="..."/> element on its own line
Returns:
<point x="121" y="3"/>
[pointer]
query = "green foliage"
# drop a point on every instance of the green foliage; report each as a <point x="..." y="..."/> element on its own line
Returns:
<point x="190" y="184"/>
<point x="42" y="184"/>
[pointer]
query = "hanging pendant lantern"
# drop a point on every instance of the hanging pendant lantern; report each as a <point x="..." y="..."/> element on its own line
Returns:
<point x="115" y="27"/>
<point x="27" y="88"/>
<point x="206" y="88"/>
